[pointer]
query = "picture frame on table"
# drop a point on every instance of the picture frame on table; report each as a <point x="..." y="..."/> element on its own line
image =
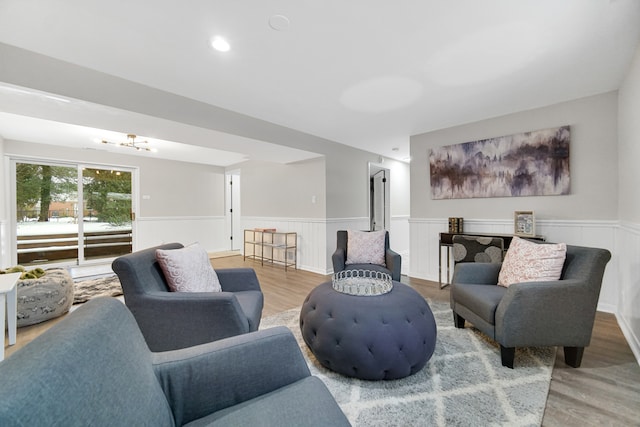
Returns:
<point x="524" y="223"/>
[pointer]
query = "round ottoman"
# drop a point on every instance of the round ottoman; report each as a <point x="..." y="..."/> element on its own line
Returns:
<point x="44" y="298"/>
<point x="380" y="337"/>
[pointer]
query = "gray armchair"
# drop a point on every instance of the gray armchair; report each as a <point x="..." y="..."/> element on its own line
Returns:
<point x="532" y="314"/>
<point x="393" y="260"/>
<point x="173" y="320"/>
<point x="94" y="369"/>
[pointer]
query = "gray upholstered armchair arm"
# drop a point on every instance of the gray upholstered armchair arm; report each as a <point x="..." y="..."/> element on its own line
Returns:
<point x="203" y="379"/>
<point x="529" y="313"/>
<point x="238" y="279"/>
<point x="183" y="319"/>
<point x="394" y="263"/>
<point x="339" y="258"/>
<point x="479" y="273"/>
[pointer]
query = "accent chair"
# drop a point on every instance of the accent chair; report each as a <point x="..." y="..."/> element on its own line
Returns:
<point x="392" y="260"/>
<point x="94" y="369"/>
<point x="173" y="320"/>
<point x="533" y="314"/>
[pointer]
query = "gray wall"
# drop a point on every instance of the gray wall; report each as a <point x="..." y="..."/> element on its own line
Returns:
<point x="594" y="164"/>
<point x="348" y="183"/>
<point x="339" y="180"/>
<point x="176" y="188"/>
<point x="276" y="190"/>
<point x="629" y="144"/>
<point x="629" y="203"/>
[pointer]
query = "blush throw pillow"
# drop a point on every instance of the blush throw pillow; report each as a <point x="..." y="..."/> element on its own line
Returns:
<point x="532" y="262"/>
<point x="365" y="247"/>
<point x="188" y="269"/>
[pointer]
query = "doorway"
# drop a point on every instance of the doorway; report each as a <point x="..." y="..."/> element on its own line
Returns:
<point x="232" y="203"/>
<point x="70" y="213"/>
<point x="379" y="197"/>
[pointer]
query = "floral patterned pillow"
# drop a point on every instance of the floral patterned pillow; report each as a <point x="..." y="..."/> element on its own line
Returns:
<point x="528" y="262"/>
<point x="365" y="247"/>
<point x="188" y="269"/>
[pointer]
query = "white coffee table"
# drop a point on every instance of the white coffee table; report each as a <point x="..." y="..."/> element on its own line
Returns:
<point x="8" y="299"/>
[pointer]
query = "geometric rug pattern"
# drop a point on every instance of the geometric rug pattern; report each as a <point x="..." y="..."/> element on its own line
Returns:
<point x="463" y="384"/>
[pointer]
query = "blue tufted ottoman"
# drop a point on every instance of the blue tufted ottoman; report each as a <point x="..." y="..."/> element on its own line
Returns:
<point x="380" y="337"/>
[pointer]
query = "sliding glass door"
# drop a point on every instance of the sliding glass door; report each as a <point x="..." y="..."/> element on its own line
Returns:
<point x="107" y="213"/>
<point x="71" y="214"/>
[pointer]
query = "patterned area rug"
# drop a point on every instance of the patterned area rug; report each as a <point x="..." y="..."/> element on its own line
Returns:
<point x="104" y="286"/>
<point x="463" y="384"/>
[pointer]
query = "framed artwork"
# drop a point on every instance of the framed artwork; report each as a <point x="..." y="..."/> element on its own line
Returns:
<point x="526" y="164"/>
<point x="524" y="223"/>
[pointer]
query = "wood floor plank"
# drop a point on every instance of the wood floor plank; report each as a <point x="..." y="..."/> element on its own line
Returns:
<point x="604" y="391"/>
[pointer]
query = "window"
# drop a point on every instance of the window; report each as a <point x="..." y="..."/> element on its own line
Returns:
<point x="70" y="213"/>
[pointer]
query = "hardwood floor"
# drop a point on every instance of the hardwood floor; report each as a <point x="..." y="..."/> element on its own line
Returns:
<point x="604" y="391"/>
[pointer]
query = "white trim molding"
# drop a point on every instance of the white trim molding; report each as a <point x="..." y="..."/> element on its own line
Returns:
<point x="425" y="233"/>
<point x="619" y="293"/>
<point x="628" y="256"/>
<point x="317" y="237"/>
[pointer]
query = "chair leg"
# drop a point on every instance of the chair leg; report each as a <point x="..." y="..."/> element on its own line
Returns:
<point x="573" y="356"/>
<point x="507" y="354"/>
<point x="458" y="321"/>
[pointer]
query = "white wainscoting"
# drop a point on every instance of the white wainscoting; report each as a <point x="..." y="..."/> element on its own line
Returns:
<point x="312" y="237"/>
<point x="335" y="224"/>
<point x="317" y="237"/>
<point x="425" y="236"/>
<point x="628" y="310"/>
<point x="209" y="231"/>
<point x="400" y="241"/>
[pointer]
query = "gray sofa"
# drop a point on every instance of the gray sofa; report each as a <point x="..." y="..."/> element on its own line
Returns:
<point x="533" y="314"/>
<point x="94" y="369"/>
<point x="173" y="320"/>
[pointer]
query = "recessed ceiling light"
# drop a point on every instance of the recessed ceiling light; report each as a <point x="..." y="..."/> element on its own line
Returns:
<point x="220" y="44"/>
<point x="279" y="22"/>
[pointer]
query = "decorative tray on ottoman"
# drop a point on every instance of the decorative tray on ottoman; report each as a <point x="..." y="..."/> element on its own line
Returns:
<point x="362" y="282"/>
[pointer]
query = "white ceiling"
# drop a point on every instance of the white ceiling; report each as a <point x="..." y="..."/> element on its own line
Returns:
<point x="366" y="73"/>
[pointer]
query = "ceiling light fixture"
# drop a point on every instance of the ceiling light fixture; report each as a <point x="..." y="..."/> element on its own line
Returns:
<point x="279" y="22"/>
<point x="220" y="44"/>
<point x="132" y="143"/>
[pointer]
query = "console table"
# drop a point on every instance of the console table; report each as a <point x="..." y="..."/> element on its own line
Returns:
<point x="446" y="241"/>
<point x="268" y="245"/>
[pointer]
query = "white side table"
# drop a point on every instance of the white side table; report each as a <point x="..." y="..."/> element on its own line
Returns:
<point x="8" y="299"/>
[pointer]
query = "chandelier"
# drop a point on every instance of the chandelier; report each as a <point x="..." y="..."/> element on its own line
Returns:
<point x="132" y="143"/>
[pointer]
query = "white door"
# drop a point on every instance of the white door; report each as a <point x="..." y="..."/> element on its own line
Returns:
<point x="379" y="200"/>
<point x="378" y="220"/>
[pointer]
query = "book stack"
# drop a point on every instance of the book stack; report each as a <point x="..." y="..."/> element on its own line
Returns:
<point x="456" y="225"/>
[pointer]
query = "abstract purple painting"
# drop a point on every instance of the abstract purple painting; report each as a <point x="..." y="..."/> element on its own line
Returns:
<point x="525" y="164"/>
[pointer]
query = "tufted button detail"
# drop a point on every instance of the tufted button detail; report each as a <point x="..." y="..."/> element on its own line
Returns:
<point x="385" y="344"/>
